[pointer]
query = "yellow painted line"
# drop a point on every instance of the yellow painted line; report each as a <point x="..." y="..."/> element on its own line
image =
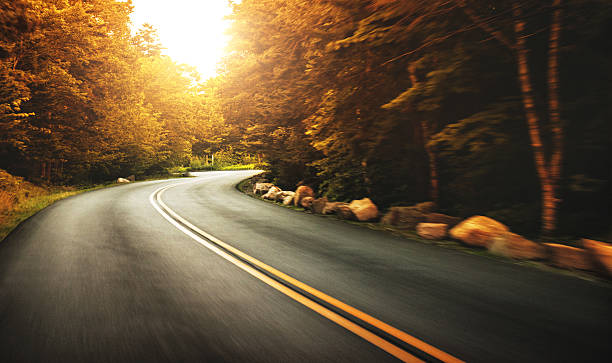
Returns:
<point x="365" y="334"/>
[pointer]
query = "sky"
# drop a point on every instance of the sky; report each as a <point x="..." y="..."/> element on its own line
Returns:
<point x="192" y="31"/>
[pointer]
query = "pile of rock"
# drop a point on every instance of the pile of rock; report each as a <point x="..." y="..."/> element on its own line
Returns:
<point x="485" y="232"/>
<point x="477" y="231"/>
<point x="410" y="217"/>
<point x="131" y="178"/>
<point x="428" y="224"/>
<point x="359" y="210"/>
<point x="593" y="256"/>
<point x="271" y="192"/>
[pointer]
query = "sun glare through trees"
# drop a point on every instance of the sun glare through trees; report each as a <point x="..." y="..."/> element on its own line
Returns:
<point x="191" y="31"/>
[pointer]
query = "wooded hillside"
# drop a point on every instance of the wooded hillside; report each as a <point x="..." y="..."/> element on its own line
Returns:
<point x="496" y="107"/>
<point x="84" y="100"/>
<point x="487" y="107"/>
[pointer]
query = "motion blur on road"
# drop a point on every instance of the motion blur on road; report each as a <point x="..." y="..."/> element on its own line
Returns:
<point x="103" y="276"/>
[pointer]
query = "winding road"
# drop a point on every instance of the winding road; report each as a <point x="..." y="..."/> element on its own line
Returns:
<point x="191" y="270"/>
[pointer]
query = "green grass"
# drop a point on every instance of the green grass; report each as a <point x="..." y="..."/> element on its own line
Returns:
<point x="240" y="167"/>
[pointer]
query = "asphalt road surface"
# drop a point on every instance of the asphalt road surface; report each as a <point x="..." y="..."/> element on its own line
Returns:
<point x="123" y="275"/>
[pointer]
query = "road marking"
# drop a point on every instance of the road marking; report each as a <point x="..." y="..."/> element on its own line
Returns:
<point x="189" y="229"/>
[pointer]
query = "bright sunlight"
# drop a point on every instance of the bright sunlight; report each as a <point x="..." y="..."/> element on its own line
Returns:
<point x="192" y="31"/>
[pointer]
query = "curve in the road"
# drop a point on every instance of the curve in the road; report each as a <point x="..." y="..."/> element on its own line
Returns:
<point x="386" y="337"/>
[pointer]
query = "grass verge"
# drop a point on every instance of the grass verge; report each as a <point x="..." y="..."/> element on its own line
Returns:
<point x="26" y="208"/>
<point x="19" y="199"/>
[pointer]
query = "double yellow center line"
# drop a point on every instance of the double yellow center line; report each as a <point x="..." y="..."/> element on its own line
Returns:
<point x="284" y="283"/>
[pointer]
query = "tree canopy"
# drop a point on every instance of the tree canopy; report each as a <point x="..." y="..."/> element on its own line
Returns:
<point x="482" y="106"/>
<point x="490" y="107"/>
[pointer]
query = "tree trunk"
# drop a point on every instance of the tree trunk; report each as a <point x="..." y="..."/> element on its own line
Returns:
<point x="43" y="170"/>
<point x="544" y="170"/>
<point x="433" y="171"/>
<point x="556" y="159"/>
<point x="549" y="171"/>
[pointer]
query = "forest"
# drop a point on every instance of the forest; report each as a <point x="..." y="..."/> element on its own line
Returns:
<point x="493" y="107"/>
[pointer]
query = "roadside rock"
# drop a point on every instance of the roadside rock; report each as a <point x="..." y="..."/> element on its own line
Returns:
<point x="442" y="218"/>
<point x="478" y="231"/>
<point x="306" y="202"/>
<point x="318" y="205"/>
<point x="262" y="188"/>
<point x="272" y="193"/>
<point x="601" y="253"/>
<point x="403" y="217"/>
<point x="284" y="194"/>
<point x="568" y="257"/>
<point x="364" y="209"/>
<point x="330" y="207"/>
<point x="343" y="211"/>
<point x="122" y="181"/>
<point x="515" y="246"/>
<point x="288" y="200"/>
<point x="302" y="191"/>
<point x="432" y="230"/>
<point x="409" y="217"/>
<point x="425" y="207"/>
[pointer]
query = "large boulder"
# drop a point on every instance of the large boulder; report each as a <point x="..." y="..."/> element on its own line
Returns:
<point x="288" y="200"/>
<point x="442" y="218"/>
<point x="478" y="231"/>
<point x="568" y="257"/>
<point x="403" y="217"/>
<point x="331" y="207"/>
<point x="283" y="194"/>
<point x="601" y="254"/>
<point x="122" y="181"/>
<point x="514" y="246"/>
<point x="306" y="202"/>
<point x="432" y="230"/>
<point x="364" y="209"/>
<point x="302" y="192"/>
<point x="425" y="207"/>
<point x="262" y="188"/>
<point x="272" y="193"/>
<point x="318" y="205"/>
<point x="343" y="211"/>
<point x="409" y="217"/>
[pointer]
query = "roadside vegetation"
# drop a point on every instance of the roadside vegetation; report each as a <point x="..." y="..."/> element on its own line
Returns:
<point x="222" y="160"/>
<point x="585" y="259"/>
<point x="497" y="108"/>
<point x="20" y="199"/>
<point x="501" y="110"/>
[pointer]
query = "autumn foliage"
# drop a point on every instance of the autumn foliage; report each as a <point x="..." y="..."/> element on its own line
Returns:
<point x="486" y="107"/>
<point x="495" y="107"/>
<point x="82" y="99"/>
